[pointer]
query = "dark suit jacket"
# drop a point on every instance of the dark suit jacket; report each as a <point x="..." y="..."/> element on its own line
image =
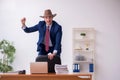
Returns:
<point x="55" y="36"/>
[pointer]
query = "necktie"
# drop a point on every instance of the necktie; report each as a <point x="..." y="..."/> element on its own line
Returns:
<point x="47" y="36"/>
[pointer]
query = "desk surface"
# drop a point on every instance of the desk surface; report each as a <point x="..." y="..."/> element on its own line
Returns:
<point x="50" y="76"/>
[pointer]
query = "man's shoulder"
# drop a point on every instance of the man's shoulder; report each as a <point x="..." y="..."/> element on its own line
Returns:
<point x="55" y="23"/>
<point x="41" y="22"/>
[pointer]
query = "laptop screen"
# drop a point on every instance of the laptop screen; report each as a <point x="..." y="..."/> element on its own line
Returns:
<point x="38" y="67"/>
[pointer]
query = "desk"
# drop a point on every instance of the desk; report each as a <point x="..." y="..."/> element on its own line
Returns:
<point x="49" y="76"/>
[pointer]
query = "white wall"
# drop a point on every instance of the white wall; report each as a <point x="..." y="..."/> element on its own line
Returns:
<point x="103" y="15"/>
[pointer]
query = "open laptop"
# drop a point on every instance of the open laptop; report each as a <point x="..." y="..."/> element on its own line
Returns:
<point x="38" y="67"/>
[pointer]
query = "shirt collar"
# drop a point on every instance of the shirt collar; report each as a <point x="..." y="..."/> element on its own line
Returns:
<point x="49" y="25"/>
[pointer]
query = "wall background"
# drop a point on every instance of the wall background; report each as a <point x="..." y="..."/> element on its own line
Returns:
<point x="103" y="15"/>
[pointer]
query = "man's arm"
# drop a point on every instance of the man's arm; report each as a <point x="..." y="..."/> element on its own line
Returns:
<point x="26" y="29"/>
<point x="57" y="45"/>
<point x="58" y="38"/>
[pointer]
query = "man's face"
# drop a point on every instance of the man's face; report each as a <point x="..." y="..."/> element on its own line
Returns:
<point x="48" y="19"/>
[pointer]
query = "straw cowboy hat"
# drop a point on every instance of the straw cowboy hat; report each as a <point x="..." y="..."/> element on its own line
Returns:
<point x="48" y="13"/>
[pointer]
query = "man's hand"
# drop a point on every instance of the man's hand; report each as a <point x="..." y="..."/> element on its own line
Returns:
<point x="51" y="56"/>
<point x="23" y="20"/>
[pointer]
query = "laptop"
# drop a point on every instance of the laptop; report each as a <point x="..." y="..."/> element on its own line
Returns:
<point x="38" y="67"/>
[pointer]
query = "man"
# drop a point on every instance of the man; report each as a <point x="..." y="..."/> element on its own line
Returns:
<point x="50" y="35"/>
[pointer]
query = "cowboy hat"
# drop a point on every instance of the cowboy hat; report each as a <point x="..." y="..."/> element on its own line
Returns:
<point x="48" y="13"/>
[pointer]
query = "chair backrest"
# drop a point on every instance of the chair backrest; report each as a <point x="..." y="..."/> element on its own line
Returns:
<point x="51" y="63"/>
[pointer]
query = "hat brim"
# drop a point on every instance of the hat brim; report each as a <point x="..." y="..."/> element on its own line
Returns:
<point x="48" y="15"/>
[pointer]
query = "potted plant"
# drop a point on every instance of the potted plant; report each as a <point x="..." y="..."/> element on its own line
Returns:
<point x="83" y="34"/>
<point x="7" y="51"/>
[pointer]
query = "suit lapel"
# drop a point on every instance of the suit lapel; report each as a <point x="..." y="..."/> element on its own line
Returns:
<point x="44" y="29"/>
<point x="52" y="29"/>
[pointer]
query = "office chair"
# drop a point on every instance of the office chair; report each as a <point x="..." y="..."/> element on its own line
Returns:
<point x="51" y="63"/>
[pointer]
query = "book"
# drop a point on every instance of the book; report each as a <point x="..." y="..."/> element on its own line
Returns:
<point x="61" y="68"/>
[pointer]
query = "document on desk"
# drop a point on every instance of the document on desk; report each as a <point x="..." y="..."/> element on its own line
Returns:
<point x="61" y="68"/>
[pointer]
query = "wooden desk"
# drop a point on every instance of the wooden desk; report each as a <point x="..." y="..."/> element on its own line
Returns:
<point x="75" y="76"/>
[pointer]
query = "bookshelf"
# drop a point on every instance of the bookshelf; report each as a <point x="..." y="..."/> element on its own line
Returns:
<point x="84" y="50"/>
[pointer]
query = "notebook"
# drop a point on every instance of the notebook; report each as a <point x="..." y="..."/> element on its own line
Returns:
<point x="38" y="67"/>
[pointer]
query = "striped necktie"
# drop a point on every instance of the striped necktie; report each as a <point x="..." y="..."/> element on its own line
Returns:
<point x="47" y="37"/>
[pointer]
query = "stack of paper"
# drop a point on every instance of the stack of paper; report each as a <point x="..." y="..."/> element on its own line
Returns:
<point x="61" y="68"/>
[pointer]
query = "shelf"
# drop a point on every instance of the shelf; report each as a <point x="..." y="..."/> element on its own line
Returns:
<point x="82" y="62"/>
<point x="84" y="51"/>
<point x="84" y="29"/>
<point x="83" y="73"/>
<point x="84" y="40"/>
